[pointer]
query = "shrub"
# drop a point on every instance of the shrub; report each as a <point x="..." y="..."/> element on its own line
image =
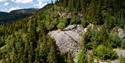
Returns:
<point x="49" y="25"/>
<point x="82" y="56"/>
<point x="69" y="58"/>
<point x="122" y="60"/>
<point x="61" y="25"/>
<point x="123" y="43"/>
<point x="115" y="40"/>
<point x="105" y="53"/>
<point x="92" y="38"/>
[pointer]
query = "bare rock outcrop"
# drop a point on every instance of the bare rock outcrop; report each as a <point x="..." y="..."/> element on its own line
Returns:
<point x="121" y="33"/>
<point x="68" y="39"/>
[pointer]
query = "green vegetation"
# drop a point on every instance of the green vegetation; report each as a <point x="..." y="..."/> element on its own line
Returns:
<point x="27" y="40"/>
<point x="105" y="53"/>
<point x="69" y="58"/>
<point x="122" y="60"/>
<point x="123" y="43"/>
<point x="82" y="56"/>
<point x="82" y="53"/>
<point x="115" y="40"/>
<point x="61" y="25"/>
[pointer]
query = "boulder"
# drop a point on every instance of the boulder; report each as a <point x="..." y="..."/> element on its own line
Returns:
<point x="121" y="33"/>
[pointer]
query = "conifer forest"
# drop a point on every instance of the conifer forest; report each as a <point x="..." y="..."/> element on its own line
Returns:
<point x="66" y="31"/>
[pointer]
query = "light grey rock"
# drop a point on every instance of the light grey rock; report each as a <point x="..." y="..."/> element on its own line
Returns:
<point x="121" y="33"/>
<point x="120" y="52"/>
<point x="70" y="27"/>
<point x="69" y="39"/>
<point x="76" y="28"/>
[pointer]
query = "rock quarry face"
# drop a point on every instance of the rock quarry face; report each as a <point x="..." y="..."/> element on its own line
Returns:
<point x="68" y="39"/>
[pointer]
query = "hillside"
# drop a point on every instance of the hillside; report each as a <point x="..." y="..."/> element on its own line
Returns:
<point x="16" y="15"/>
<point x="67" y="31"/>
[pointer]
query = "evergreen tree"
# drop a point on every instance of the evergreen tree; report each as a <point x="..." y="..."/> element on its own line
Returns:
<point x="82" y="54"/>
<point x="52" y="55"/>
<point x="69" y="58"/>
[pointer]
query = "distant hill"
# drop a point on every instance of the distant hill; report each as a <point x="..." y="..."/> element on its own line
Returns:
<point x="16" y="15"/>
<point x="23" y="11"/>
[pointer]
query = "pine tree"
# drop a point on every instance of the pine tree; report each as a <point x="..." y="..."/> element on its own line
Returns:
<point x="69" y="58"/>
<point x="52" y="57"/>
<point x="82" y="54"/>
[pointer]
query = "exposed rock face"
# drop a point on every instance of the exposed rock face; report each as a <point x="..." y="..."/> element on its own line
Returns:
<point x="69" y="39"/>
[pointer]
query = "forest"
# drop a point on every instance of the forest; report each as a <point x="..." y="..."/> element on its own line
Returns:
<point x="27" y="40"/>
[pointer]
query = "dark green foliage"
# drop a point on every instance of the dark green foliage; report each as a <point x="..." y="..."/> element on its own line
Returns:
<point x="69" y="58"/>
<point x="94" y="37"/>
<point x="122" y="60"/>
<point x="27" y="41"/>
<point x="105" y="53"/>
<point x="61" y="25"/>
<point x="99" y="12"/>
<point x="2" y="43"/>
<point x="82" y="56"/>
<point x="84" y="23"/>
<point x="114" y="40"/>
<point x="52" y="55"/>
<point x="123" y="44"/>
